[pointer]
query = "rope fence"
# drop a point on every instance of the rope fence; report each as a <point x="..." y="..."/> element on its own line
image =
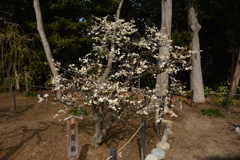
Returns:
<point x="41" y="90"/>
<point x="114" y="151"/>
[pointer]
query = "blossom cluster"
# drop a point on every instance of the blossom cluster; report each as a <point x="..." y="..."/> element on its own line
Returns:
<point x="131" y="57"/>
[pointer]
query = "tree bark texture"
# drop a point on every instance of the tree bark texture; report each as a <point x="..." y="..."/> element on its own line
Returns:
<point x="162" y="81"/>
<point x="27" y="88"/>
<point x="17" y="77"/>
<point x="119" y="9"/>
<point x="196" y="80"/>
<point x="102" y="125"/>
<point x="99" y="134"/>
<point x="12" y="110"/>
<point x="42" y="34"/>
<point x="236" y="76"/>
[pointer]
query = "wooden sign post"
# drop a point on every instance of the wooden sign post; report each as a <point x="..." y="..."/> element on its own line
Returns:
<point x="72" y="136"/>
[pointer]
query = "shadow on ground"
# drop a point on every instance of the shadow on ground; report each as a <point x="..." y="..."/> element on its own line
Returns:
<point x="9" y="151"/>
<point x="221" y="158"/>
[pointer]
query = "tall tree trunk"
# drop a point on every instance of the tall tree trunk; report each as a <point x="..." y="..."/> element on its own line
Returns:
<point x="166" y="25"/>
<point x="233" y="65"/>
<point x="196" y="80"/>
<point x="119" y="9"/>
<point x="236" y="76"/>
<point x="42" y="34"/>
<point x="162" y="82"/>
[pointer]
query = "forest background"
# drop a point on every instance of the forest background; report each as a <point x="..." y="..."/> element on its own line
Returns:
<point x="67" y="24"/>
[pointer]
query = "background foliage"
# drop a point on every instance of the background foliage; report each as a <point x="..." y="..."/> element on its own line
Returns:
<point x="67" y="24"/>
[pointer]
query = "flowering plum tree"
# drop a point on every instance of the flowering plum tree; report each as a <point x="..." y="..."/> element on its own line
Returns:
<point x="109" y="93"/>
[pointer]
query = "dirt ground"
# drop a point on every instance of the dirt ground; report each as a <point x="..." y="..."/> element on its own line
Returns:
<point x="33" y="133"/>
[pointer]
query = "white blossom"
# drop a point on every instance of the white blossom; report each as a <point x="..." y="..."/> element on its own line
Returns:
<point x="41" y="99"/>
<point x="132" y="57"/>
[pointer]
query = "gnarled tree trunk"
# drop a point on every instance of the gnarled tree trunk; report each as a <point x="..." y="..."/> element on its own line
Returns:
<point x="100" y="132"/>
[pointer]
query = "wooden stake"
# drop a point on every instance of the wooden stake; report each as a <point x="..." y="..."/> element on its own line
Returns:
<point x="72" y="137"/>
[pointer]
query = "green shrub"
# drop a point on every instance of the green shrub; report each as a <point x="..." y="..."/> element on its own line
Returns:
<point x="232" y="102"/>
<point x="222" y="89"/>
<point x="77" y="112"/>
<point x="208" y="91"/>
<point x="212" y="112"/>
<point x="238" y="90"/>
<point x="223" y="101"/>
<point x="181" y="100"/>
<point x="220" y="101"/>
<point x="30" y="94"/>
<point x="219" y="92"/>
